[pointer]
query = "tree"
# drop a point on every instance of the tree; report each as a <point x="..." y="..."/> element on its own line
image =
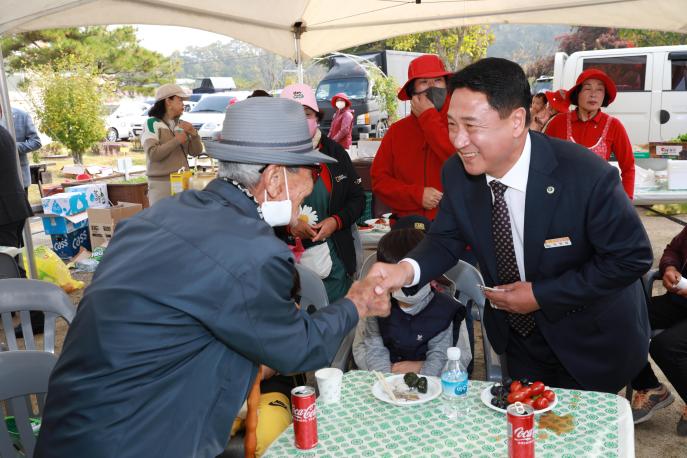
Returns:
<point x="652" y="37"/>
<point x="457" y="47"/>
<point x="68" y="98"/>
<point x="113" y="53"/>
<point x="589" y="38"/>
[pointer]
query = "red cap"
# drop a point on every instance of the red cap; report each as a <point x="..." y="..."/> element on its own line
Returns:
<point x="427" y="66"/>
<point x="341" y="96"/>
<point x="594" y="73"/>
<point x="558" y="100"/>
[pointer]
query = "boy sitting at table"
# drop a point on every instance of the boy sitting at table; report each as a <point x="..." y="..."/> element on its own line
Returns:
<point x="415" y="336"/>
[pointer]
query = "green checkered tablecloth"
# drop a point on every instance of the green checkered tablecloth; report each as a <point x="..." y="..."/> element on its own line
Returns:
<point x="362" y="426"/>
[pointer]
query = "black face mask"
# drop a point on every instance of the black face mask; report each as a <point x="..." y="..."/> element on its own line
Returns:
<point x="436" y="95"/>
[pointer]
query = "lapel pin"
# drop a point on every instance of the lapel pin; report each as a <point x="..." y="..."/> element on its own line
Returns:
<point x="550" y="190"/>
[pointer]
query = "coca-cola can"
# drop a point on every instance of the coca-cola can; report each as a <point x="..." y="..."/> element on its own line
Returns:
<point x="520" y="430"/>
<point x="304" y="417"/>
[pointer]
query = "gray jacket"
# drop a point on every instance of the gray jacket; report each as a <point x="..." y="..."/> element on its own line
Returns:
<point x="27" y="141"/>
<point x="191" y="295"/>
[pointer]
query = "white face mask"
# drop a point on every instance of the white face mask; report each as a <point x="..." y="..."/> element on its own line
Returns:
<point x="340" y="104"/>
<point x="414" y="301"/>
<point x="278" y="212"/>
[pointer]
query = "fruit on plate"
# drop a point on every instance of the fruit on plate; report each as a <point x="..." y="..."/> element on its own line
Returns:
<point x="512" y="391"/>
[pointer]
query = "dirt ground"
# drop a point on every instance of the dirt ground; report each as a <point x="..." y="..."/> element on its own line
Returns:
<point x="655" y="438"/>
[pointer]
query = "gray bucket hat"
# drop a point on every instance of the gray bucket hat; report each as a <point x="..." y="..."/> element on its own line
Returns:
<point x="263" y="130"/>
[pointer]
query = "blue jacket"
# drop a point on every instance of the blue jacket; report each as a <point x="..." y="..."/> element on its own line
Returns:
<point x="191" y="295"/>
<point x="27" y="141"/>
<point x="593" y="311"/>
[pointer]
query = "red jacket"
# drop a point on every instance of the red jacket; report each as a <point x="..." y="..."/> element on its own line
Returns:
<point x="410" y="159"/>
<point x="587" y="133"/>
<point x="342" y="126"/>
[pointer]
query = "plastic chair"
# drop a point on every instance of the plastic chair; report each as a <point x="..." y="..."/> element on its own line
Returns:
<point x="467" y="278"/>
<point x="8" y="267"/>
<point x="22" y="296"/>
<point x="22" y="374"/>
<point x="313" y="293"/>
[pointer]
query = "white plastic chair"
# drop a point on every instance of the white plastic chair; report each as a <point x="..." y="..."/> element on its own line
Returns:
<point x="467" y="278"/>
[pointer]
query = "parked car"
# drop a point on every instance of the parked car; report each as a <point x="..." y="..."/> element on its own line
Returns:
<point x="120" y="123"/>
<point x="207" y="116"/>
<point x="542" y="84"/>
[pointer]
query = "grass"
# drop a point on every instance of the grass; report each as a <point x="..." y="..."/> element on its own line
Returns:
<point x="55" y="167"/>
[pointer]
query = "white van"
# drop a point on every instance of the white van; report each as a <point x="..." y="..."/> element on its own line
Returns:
<point x="651" y="82"/>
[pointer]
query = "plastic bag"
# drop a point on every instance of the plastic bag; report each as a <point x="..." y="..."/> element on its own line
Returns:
<point x="51" y="268"/>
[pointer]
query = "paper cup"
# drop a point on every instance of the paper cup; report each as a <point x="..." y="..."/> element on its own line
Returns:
<point x="682" y="284"/>
<point x="329" y="382"/>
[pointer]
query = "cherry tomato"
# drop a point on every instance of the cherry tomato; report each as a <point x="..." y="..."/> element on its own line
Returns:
<point x="549" y="395"/>
<point x="537" y="388"/>
<point x="527" y="390"/>
<point x="517" y="396"/>
<point x="515" y="386"/>
<point x="529" y="401"/>
<point x="541" y="403"/>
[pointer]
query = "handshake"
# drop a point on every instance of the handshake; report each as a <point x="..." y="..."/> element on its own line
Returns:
<point x="371" y="294"/>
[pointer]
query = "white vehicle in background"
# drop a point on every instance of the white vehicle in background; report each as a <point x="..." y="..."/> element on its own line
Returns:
<point x="207" y="116"/>
<point x="651" y="82"/>
<point x="121" y="121"/>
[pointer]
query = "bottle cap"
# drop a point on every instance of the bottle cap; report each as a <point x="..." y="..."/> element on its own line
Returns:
<point x="453" y="353"/>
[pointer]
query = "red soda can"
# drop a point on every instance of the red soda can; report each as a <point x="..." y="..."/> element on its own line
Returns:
<point x="520" y="430"/>
<point x="304" y="417"/>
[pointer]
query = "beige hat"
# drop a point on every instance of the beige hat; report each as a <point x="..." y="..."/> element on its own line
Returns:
<point x="168" y="90"/>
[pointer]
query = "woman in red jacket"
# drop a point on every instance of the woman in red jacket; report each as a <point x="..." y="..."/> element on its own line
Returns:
<point x="406" y="170"/>
<point x="590" y="127"/>
<point x="342" y="121"/>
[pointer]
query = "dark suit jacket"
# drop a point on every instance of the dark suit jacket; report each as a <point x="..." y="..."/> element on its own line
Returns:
<point x="13" y="204"/>
<point x="593" y="312"/>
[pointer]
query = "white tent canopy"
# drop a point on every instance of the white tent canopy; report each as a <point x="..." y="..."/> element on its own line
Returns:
<point x="330" y="25"/>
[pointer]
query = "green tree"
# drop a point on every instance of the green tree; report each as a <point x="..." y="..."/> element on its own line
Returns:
<point x="68" y="97"/>
<point x="457" y="47"/>
<point x="114" y="53"/>
<point x="642" y="38"/>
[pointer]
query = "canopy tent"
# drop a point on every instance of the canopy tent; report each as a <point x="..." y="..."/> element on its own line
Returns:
<point x="330" y="25"/>
<point x="308" y="28"/>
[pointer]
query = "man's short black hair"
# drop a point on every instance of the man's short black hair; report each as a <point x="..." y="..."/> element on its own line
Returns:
<point x="502" y="81"/>
<point x="396" y="245"/>
<point x="541" y="96"/>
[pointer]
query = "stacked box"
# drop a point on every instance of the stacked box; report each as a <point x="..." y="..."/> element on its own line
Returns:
<point x="54" y="225"/>
<point x="96" y="194"/>
<point x="102" y="221"/>
<point x="65" y="203"/>
<point x="67" y="245"/>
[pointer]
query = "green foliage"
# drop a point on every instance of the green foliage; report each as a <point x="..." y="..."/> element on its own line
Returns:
<point x="114" y="53"/>
<point x="680" y="138"/>
<point x="641" y="38"/>
<point x="385" y="89"/>
<point x="457" y="47"/>
<point x="68" y="98"/>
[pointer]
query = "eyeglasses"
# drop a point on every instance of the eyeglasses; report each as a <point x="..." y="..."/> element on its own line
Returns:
<point x="315" y="169"/>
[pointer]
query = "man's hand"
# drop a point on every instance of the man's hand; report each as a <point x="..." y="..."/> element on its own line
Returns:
<point x="670" y="278"/>
<point x="403" y="367"/>
<point x="515" y="298"/>
<point x="188" y="128"/>
<point x="325" y="229"/>
<point x="431" y="198"/>
<point x="303" y="230"/>
<point x="420" y="103"/>
<point x="391" y="277"/>
<point x="362" y="294"/>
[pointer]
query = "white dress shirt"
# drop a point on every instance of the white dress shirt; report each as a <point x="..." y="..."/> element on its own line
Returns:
<point x="516" y="180"/>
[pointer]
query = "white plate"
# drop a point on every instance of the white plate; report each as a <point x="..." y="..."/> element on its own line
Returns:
<point x="486" y="400"/>
<point x="433" y="390"/>
<point x="377" y="226"/>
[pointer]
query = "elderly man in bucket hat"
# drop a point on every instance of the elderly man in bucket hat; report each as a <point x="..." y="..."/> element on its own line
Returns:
<point x="405" y="171"/>
<point x="190" y="297"/>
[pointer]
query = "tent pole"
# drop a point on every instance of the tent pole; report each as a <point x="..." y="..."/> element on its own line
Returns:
<point x="7" y="115"/>
<point x="298" y="29"/>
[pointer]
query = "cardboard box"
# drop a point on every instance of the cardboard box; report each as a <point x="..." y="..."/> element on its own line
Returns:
<point x="67" y="245"/>
<point x="64" y="204"/>
<point x="96" y="194"/>
<point x="668" y="150"/>
<point x="64" y="224"/>
<point x="102" y="221"/>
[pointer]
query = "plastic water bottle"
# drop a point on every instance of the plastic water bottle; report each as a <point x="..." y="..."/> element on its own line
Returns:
<point x="454" y="386"/>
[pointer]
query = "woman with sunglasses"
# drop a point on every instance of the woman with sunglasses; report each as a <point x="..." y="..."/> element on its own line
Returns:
<point x="337" y="201"/>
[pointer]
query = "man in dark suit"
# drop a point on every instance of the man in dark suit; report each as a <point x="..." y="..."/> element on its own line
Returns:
<point x="553" y="230"/>
<point x="14" y="207"/>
